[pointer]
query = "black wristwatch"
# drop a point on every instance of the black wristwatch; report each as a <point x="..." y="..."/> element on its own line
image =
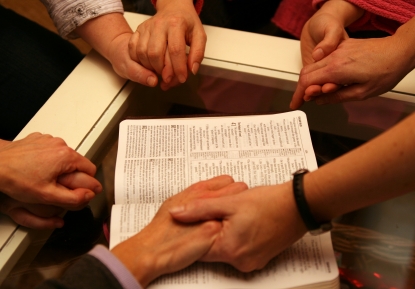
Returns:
<point x="314" y="227"/>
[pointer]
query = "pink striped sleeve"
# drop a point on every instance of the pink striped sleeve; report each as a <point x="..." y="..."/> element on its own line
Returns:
<point x="385" y="15"/>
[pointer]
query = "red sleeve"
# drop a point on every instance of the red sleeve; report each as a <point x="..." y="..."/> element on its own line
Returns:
<point x="385" y="15"/>
<point x="288" y="18"/>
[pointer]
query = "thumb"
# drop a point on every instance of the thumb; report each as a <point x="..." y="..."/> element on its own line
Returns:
<point x="201" y="210"/>
<point x="331" y="40"/>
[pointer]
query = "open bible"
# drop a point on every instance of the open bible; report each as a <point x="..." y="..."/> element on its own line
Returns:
<point x="160" y="157"/>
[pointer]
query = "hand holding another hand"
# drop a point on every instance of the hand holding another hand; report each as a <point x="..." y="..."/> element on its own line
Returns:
<point x="159" y="44"/>
<point x="41" y="169"/>
<point x="321" y="35"/>
<point x="362" y="67"/>
<point x="166" y="246"/>
<point x="257" y="224"/>
<point x="35" y="216"/>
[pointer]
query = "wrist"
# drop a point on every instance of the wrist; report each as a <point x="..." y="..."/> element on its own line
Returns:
<point x="160" y="4"/>
<point x="404" y="40"/>
<point x="314" y="225"/>
<point x="3" y="143"/>
<point x="142" y="265"/>
<point x="345" y="11"/>
<point x="321" y="206"/>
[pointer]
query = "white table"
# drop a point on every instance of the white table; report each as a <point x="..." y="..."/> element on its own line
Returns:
<point x="90" y="102"/>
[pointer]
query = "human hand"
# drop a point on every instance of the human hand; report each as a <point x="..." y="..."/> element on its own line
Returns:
<point x="35" y="216"/>
<point x="41" y="169"/>
<point x="363" y="67"/>
<point x="321" y="35"/>
<point x="159" y="43"/>
<point x="166" y="246"/>
<point x="126" y="66"/>
<point x="257" y="224"/>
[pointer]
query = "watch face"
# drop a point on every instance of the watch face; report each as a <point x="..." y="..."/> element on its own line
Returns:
<point x="300" y="171"/>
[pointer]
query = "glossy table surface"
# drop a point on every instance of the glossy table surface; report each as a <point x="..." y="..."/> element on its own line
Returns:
<point x="374" y="246"/>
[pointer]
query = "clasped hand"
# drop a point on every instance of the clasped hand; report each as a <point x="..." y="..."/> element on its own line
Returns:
<point x="253" y="230"/>
<point x="40" y="176"/>
<point x="338" y="68"/>
<point x="159" y="44"/>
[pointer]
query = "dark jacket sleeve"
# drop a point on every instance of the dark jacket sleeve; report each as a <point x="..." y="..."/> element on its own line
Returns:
<point x="87" y="273"/>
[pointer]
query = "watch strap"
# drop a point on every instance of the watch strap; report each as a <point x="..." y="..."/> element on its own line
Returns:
<point x="310" y="222"/>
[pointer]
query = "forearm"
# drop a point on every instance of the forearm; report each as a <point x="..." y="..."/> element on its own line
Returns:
<point x="68" y="15"/>
<point x="159" y="4"/>
<point x="379" y="170"/>
<point x="405" y="39"/>
<point x="101" y="31"/>
<point x="345" y="11"/>
<point x="3" y="142"/>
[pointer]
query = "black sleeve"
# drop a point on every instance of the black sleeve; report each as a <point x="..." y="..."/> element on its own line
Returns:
<point x="87" y="273"/>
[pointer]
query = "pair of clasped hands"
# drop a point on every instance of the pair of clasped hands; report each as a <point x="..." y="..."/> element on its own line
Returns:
<point x="336" y="67"/>
<point x="40" y="178"/>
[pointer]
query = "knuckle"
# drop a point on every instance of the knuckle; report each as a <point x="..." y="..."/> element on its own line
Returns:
<point x="131" y="44"/>
<point x="303" y="80"/>
<point x="360" y="93"/>
<point x="176" y="21"/>
<point x="246" y="266"/>
<point x="199" y="185"/>
<point x="176" y="49"/>
<point x="154" y="53"/>
<point x="243" y="185"/>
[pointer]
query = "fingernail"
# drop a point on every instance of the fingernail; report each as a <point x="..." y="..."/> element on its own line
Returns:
<point x="318" y="54"/>
<point x="181" y="78"/>
<point x="176" y="210"/>
<point x="97" y="190"/>
<point x="168" y="79"/>
<point x="195" y="68"/>
<point x="151" y="81"/>
<point x="89" y="196"/>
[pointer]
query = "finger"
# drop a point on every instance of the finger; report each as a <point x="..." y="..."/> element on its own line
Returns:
<point x="33" y="135"/>
<point x="330" y="87"/>
<point x="8" y="204"/>
<point x="43" y="211"/>
<point x="132" y="46"/>
<point x="75" y="162"/>
<point x="197" y="50"/>
<point x="142" y="75"/>
<point x="168" y="74"/>
<point x="349" y="93"/>
<point x="61" y="196"/>
<point x="201" y="210"/>
<point x="332" y="39"/>
<point x="157" y="46"/>
<point x="298" y="96"/>
<point x="177" y="52"/>
<point x="311" y="92"/>
<point x="80" y="180"/>
<point x="218" y="182"/>
<point x="142" y="46"/>
<point x="27" y="219"/>
<point x="231" y="189"/>
<point x="202" y="236"/>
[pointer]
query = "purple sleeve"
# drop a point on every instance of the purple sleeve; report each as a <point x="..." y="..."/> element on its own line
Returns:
<point x="116" y="267"/>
